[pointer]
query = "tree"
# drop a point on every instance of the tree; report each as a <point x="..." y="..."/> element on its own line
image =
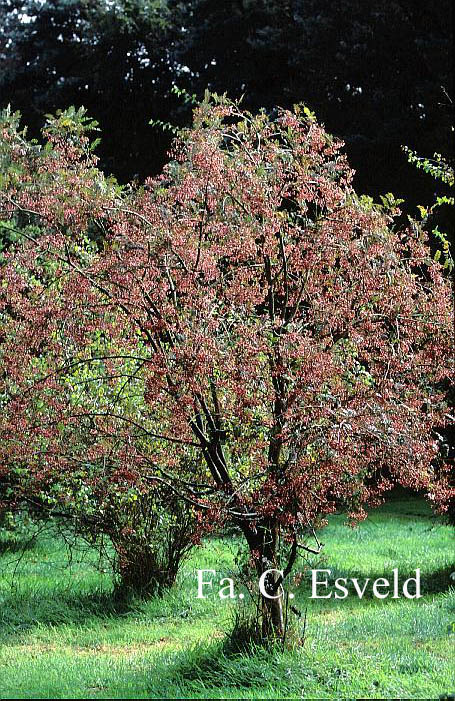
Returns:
<point x="287" y="341"/>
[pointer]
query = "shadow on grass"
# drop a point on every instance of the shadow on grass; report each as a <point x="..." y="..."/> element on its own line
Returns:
<point x="434" y="582"/>
<point x="22" y="611"/>
<point x="206" y="668"/>
<point x="13" y="544"/>
<point x="217" y="667"/>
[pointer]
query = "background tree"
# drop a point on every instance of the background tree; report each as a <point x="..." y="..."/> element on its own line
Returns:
<point x="371" y="72"/>
<point x="288" y="339"/>
<point x="113" y="58"/>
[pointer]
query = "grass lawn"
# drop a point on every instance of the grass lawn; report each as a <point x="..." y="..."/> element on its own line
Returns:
<point x="63" y="636"/>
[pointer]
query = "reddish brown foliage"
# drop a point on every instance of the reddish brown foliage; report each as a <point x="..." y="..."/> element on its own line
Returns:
<point x="288" y="343"/>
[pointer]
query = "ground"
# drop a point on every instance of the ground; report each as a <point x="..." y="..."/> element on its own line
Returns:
<point x="63" y="636"/>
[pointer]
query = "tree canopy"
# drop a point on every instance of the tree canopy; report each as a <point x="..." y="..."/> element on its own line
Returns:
<point x="243" y="328"/>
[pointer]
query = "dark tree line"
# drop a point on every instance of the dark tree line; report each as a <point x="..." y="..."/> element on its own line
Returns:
<point x="372" y="72"/>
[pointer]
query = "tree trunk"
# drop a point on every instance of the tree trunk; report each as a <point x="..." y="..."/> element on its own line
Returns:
<point x="272" y="609"/>
<point x="263" y="548"/>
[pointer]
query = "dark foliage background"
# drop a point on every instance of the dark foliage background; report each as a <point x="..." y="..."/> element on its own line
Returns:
<point x="372" y="72"/>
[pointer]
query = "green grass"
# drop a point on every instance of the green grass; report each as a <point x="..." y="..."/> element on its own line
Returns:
<point x="63" y="635"/>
